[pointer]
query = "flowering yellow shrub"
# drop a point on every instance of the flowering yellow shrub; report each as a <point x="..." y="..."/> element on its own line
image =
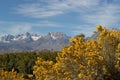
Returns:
<point x="110" y="42"/>
<point x="43" y="70"/>
<point x="85" y="59"/>
<point x="12" y="75"/>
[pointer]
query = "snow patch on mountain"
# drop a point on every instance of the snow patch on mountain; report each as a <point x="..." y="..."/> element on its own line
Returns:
<point x="36" y="37"/>
<point x="56" y="35"/>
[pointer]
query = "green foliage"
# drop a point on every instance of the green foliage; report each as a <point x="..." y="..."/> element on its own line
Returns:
<point x="48" y="56"/>
<point x="23" y="62"/>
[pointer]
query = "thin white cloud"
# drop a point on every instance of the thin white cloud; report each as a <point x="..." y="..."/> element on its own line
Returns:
<point x="9" y="27"/>
<point x="46" y="24"/>
<point x="43" y="9"/>
<point x="32" y="24"/>
<point x="22" y="28"/>
<point x="107" y="15"/>
<point x="91" y="11"/>
<point x="87" y="30"/>
<point x="38" y="10"/>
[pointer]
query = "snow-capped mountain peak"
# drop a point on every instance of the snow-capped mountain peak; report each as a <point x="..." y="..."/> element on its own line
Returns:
<point x="19" y="37"/>
<point x="56" y="35"/>
<point x="31" y="37"/>
<point x="35" y="37"/>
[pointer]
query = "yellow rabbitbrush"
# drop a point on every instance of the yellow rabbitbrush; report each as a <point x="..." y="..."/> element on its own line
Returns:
<point x="85" y="60"/>
<point x="11" y="75"/>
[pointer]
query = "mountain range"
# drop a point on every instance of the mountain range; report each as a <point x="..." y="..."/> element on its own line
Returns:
<point x="33" y="42"/>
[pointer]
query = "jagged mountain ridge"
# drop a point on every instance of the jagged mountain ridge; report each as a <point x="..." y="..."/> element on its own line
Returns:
<point x="33" y="42"/>
<point x="10" y="38"/>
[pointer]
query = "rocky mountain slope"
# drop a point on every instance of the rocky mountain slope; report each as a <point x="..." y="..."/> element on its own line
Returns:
<point x="33" y="42"/>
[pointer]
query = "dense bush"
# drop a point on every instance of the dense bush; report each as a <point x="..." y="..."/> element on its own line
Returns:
<point x="84" y="60"/>
<point x="23" y="62"/>
<point x="11" y="75"/>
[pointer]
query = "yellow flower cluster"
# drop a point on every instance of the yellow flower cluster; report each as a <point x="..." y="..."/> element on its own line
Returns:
<point x="84" y="59"/>
<point x="12" y="75"/>
<point x="43" y="69"/>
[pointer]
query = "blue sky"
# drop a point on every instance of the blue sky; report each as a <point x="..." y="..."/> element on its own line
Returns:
<point x="69" y="16"/>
